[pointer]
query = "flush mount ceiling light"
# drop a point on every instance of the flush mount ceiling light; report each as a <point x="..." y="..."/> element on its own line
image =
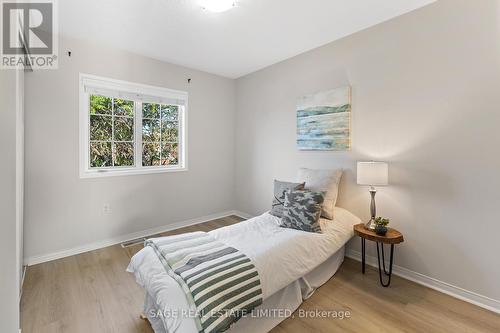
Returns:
<point x="218" y="6"/>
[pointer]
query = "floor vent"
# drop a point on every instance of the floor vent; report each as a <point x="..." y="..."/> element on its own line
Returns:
<point x="133" y="242"/>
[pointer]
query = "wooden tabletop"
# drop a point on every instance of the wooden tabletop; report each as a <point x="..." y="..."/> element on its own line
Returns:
<point x="391" y="237"/>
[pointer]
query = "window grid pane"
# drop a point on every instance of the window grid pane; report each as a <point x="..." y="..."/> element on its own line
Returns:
<point x="123" y="154"/>
<point x="160" y="133"/>
<point x="100" y="105"/>
<point x="123" y="129"/>
<point x="169" y="134"/>
<point x="151" y="130"/>
<point x="115" y="149"/>
<point x="123" y="108"/>
<point x="101" y="154"/>
<point x="151" y="154"/>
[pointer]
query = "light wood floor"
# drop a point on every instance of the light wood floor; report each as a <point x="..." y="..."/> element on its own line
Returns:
<point x="91" y="292"/>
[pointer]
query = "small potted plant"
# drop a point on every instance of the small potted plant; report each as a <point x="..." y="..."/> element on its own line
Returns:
<point x="381" y="226"/>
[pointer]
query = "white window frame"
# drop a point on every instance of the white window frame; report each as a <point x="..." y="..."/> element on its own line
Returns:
<point x="129" y="90"/>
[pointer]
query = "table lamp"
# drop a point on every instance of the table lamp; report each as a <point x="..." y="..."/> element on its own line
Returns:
<point x="372" y="174"/>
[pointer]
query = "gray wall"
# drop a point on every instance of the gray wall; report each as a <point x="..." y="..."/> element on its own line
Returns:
<point x="426" y="99"/>
<point x="63" y="211"/>
<point x="9" y="285"/>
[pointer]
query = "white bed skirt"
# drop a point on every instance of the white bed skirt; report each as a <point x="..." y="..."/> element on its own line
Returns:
<point x="285" y="300"/>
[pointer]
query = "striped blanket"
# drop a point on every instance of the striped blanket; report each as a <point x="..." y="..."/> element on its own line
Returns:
<point x="220" y="282"/>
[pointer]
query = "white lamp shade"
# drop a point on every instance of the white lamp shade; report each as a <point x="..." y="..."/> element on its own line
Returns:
<point x="217" y="6"/>
<point x="373" y="173"/>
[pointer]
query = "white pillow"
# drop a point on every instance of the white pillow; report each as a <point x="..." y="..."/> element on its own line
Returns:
<point x="326" y="181"/>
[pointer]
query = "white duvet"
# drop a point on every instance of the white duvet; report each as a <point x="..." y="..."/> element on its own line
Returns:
<point x="280" y="255"/>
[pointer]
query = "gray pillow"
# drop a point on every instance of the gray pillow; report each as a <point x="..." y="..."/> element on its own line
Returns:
<point x="326" y="181"/>
<point x="302" y="211"/>
<point x="280" y="188"/>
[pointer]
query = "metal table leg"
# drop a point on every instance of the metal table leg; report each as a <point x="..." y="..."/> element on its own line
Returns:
<point x="380" y="267"/>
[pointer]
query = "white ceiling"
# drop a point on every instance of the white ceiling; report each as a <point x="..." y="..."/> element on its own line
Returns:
<point x="251" y="36"/>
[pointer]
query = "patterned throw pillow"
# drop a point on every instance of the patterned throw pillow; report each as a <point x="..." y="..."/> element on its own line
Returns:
<point x="302" y="210"/>
<point x="280" y="188"/>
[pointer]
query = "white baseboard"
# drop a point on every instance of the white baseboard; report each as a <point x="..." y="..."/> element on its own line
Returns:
<point x="446" y="288"/>
<point x="243" y="215"/>
<point x="123" y="238"/>
<point x="22" y="282"/>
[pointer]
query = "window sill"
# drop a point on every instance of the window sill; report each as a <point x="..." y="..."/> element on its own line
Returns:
<point x="127" y="172"/>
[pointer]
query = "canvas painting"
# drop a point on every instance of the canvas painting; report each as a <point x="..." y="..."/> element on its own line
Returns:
<point x="324" y="120"/>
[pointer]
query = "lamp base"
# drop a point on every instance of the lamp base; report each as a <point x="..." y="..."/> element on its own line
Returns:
<point x="370" y="225"/>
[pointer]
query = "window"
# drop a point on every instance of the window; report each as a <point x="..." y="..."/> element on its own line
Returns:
<point x="128" y="128"/>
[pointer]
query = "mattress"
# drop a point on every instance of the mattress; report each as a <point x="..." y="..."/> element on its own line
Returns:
<point x="282" y="257"/>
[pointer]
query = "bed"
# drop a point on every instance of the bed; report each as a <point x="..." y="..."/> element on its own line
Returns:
<point x="291" y="265"/>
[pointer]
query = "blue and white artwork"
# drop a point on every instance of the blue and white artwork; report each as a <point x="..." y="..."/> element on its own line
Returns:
<point x="324" y="120"/>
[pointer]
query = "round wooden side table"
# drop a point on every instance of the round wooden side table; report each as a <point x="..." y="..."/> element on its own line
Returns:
<point x="392" y="237"/>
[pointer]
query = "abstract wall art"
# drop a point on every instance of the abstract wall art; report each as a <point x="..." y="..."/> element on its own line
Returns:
<point x="324" y="120"/>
